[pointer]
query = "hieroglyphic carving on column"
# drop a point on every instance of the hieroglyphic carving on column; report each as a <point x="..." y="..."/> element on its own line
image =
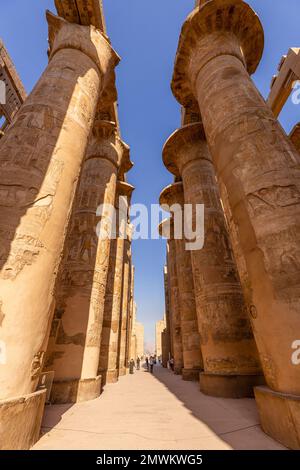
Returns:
<point x="258" y="166"/>
<point x="82" y="284"/>
<point x="122" y="346"/>
<point x="167" y="349"/>
<point x="192" y="357"/>
<point x="108" y="365"/>
<point x="175" y="312"/>
<point x="226" y="338"/>
<point x="40" y="159"/>
<point x="130" y="318"/>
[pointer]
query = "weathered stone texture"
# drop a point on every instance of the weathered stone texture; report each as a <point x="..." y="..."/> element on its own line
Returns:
<point x="40" y="159"/>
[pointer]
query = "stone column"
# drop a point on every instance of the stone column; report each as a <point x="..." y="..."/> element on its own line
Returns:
<point x="169" y="301"/>
<point x="221" y="44"/>
<point x="175" y="313"/>
<point x="122" y="347"/>
<point x="108" y="366"/>
<point x="231" y="363"/>
<point x="81" y="285"/>
<point x="166" y="335"/>
<point x="192" y="357"/>
<point x="40" y="160"/>
<point x="130" y="318"/>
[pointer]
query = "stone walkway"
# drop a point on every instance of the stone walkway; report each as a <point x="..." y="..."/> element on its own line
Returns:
<point x="154" y="412"/>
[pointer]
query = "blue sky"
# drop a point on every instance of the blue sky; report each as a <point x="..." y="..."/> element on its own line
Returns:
<point x="145" y="34"/>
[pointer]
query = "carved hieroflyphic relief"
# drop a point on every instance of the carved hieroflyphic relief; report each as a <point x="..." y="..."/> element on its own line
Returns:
<point x="37" y="364"/>
<point x="258" y="166"/>
<point x="223" y="318"/>
<point x="267" y="199"/>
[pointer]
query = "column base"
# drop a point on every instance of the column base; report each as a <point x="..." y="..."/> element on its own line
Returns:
<point x="20" y="421"/>
<point x="76" y="390"/>
<point x="279" y="416"/>
<point x="111" y="376"/>
<point x="177" y="370"/>
<point x="191" y="375"/>
<point x="229" y="386"/>
<point x="122" y="371"/>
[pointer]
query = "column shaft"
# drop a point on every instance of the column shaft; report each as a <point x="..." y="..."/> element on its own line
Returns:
<point x="40" y="159"/>
<point x="231" y="363"/>
<point x="124" y="309"/>
<point x="260" y="170"/>
<point x="108" y="366"/>
<point x="175" y="308"/>
<point x="82" y="282"/>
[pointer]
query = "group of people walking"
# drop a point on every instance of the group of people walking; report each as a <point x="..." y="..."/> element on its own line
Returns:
<point x="149" y="363"/>
<point x="132" y="365"/>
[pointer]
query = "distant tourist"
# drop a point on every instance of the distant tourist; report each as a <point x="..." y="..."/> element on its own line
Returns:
<point x="131" y="366"/>
<point x="151" y="363"/>
<point x="147" y="363"/>
<point x="171" y="362"/>
<point x="138" y="363"/>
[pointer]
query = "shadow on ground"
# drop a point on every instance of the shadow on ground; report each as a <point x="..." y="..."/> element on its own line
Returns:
<point x="235" y="421"/>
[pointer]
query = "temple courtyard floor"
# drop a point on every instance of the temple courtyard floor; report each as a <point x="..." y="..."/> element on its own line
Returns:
<point x="160" y="411"/>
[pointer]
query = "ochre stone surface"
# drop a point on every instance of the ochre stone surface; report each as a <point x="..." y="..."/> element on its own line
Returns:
<point x="108" y="365"/>
<point x="15" y="92"/>
<point x="192" y="356"/>
<point x="280" y="416"/>
<point x="175" y="320"/>
<point x="20" y="421"/>
<point x="227" y="342"/>
<point x="40" y="160"/>
<point x="167" y="349"/>
<point x="83" y="278"/>
<point x="125" y="305"/>
<point x="221" y="43"/>
<point x="75" y="390"/>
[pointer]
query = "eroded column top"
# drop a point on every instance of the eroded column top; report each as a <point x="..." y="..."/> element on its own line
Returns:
<point x="86" y="39"/>
<point x="85" y="12"/>
<point x="106" y="143"/>
<point x="184" y="145"/>
<point x="172" y="194"/>
<point x="226" y="17"/>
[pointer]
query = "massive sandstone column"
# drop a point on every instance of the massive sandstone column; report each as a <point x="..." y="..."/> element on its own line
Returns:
<point x="175" y="314"/>
<point x="108" y="365"/>
<point x="168" y="279"/>
<point x="166" y="339"/>
<point x="82" y="283"/>
<point x="231" y="364"/>
<point x="40" y="159"/>
<point x="192" y="356"/>
<point x="130" y="318"/>
<point x="221" y="44"/>
<point x="123" y="328"/>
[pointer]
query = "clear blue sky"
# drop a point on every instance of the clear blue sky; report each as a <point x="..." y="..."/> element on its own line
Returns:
<point x="145" y="33"/>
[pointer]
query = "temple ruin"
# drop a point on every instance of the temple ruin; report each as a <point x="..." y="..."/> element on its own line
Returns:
<point x="68" y="316"/>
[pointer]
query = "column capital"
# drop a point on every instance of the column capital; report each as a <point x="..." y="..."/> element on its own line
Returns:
<point x="129" y="233"/>
<point x="125" y="189"/>
<point x="172" y="194"/>
<point x="165" y="229"/>
<point x="106" y="143"/>
<point x="185" y="145"/>
<point x="87" y="39"/>
<point x="218" y="27"/>
<point x="126" y="164"/>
